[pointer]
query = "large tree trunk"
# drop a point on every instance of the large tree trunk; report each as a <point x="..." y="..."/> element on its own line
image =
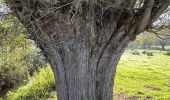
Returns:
<point x="82" y="75"/>
<point x="79" y="76"/>
<point x="84" y="65"/>
<point x="85" y="70"/>
<point x="83" y="40"/>
<point x="162" y="45"/>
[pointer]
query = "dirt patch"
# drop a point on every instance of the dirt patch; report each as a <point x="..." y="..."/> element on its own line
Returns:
<point x="140" y="93"/>
<point x="151" y="87"/>
<point x="125" y="97"/>
<point x="148" y="98"/>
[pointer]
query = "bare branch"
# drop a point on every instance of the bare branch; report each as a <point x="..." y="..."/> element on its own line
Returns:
<point x="158" y="12"/>
<point x="146" y="13"/>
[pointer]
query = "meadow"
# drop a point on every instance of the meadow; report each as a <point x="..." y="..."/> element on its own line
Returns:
<point x="138" y="77"/>
<point x="142" y="77"/>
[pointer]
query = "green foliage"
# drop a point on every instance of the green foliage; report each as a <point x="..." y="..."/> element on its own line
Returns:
<point x="12" y="69"/>
<point x="18" y="56"/>
<point x="39" y="87"/>
<point x="35" y="59"/>
<point x="17" y="65"/>
<point x="142" y="40"/>
<point x="11" y="74"/>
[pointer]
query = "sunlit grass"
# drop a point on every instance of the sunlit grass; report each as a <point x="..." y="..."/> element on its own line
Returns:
<point x="138" y="77"/>
<point x="142" y="76"/>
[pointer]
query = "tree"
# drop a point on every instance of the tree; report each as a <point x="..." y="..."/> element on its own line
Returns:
<point x="147" y="40"/>
<point x="162" y="39"/>
<point x="13" y="68"/>
<point x="18" y="56"/>
<point x="83" y="40"/>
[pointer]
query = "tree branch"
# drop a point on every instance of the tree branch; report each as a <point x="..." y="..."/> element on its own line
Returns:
<point x="155" y="15"/>
<point x="159" y="35"/>
<point x="146" y="14"/>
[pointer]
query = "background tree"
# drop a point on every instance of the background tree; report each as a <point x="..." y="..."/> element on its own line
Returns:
<point x="12" y="46"/>
<point x="83" y="40"/>
<point x="162" y="37"/>
<point x="18" y="56"/>
<point x="145" y="40"/>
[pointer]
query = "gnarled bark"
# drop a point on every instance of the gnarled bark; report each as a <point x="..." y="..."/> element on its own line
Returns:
<point x="81" y="74"/>
<point x="83" y="40"/>
<point x="85" y="70"/>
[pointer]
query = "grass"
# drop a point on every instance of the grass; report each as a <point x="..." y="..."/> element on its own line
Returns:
<point x="38" y="87"/>
<point x="143" y="77"/>
<point x="138" y="77"/>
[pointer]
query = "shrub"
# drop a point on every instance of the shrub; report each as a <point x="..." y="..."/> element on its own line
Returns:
<point x="10" y="75"/>
<point x="18" y="56"/>
<point x="12" y="71"/>
<point x="17" y="66"/>
<point x="135" y="53"/>
<point x="35" y="59"/>
<point x="150" y="54"/>
<point x="144" y="52"/>
<point x="39" y="87"/>
<point x="168" y="54"/>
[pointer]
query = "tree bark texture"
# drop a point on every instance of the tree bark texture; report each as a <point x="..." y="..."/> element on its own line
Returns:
<point x="82" y="77"/>
<point x="85" y="72"/>
<point x="83" y="40"/>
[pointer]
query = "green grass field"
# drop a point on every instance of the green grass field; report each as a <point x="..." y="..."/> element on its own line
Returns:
<point x="142" y="77"/>
<point x="138" y="77"/>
